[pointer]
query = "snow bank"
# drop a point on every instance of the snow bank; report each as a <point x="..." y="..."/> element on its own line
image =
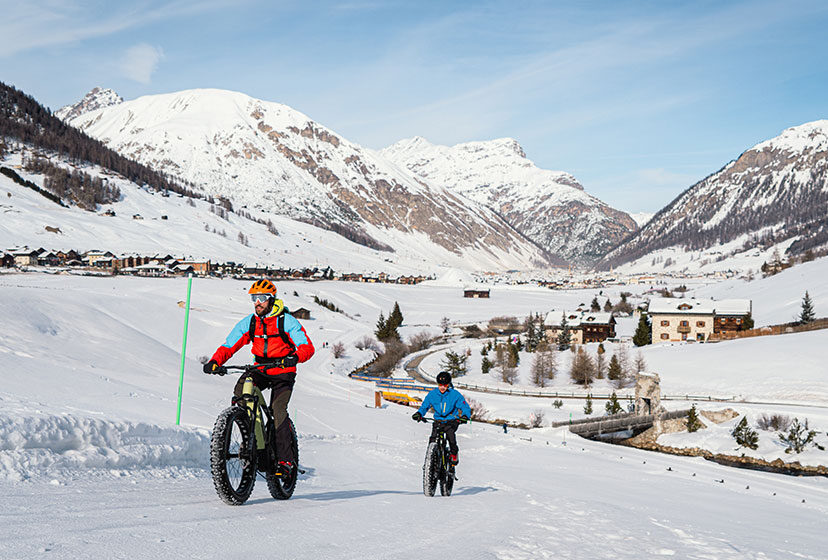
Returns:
<point x="58" y="446"/>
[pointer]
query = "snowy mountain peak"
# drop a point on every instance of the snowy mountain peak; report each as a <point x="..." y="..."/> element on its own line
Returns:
<point x="550" y="207"/>
<point x="811" y="136"/>
<point x="97" y="98"/>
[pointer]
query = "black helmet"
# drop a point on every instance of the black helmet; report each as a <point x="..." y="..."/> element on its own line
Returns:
<point x="443" y="378"/>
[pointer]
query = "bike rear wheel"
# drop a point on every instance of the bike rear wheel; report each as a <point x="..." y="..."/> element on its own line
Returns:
<point x="431" y="469"/>
<point x="233" y="469"/>
<point x="282" y="485"/>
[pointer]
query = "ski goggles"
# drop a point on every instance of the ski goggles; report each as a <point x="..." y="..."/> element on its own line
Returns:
<point x="256" y="298"/>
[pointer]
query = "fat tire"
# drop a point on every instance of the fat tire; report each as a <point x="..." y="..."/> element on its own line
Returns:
<point x="447" y="481"/>
<point x="223" y="467"/>
<point x="431" y="469"/>
<point x="282" y="487"/>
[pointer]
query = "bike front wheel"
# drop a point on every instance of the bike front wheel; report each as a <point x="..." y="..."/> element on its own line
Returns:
<point x="431" y="469"/>
<point x="282" y="485"/>
<point x="232" y="466"/>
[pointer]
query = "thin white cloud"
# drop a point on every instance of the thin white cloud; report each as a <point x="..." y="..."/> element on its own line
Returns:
<point x="36" y="24"/>
<point x="140" y="61"/>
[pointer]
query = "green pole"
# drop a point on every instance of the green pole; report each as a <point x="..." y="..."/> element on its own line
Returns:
<point x="184" y="349"/>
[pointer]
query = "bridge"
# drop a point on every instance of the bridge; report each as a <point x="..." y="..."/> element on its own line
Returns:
<point x="592" y="427"/>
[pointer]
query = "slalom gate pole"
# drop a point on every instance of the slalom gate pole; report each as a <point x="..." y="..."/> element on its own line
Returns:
<point x="184" y="348"/>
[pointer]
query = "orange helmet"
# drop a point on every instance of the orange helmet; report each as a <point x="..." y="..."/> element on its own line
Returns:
<point x="262" y="286"/>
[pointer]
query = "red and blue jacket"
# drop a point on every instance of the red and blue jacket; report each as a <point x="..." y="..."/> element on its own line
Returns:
<point x="276" y="335"/>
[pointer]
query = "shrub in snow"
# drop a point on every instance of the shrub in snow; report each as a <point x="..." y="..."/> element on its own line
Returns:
<point x="536" y="419"/>
<point x="693" y="422"/>
<point x="478" y="411"/>
<point x="557" y="403"/>
<point x="588" y="405"/>
<point x="419" y="341"/>
<point x="744" y="435"/>
<point x="367" y="343"/>
<point x="338" y="350"/>
<point x="799" y="437"/>
<point x="774" y="423"/>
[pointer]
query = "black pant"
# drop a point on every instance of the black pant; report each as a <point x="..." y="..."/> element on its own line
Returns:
<point x="449" y="428"/>
<point x="281" y="388"/>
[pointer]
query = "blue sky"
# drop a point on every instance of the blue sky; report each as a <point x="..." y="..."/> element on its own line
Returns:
<point x="638" y="100"/>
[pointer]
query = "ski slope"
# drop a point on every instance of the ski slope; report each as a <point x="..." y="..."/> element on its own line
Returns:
<point x="92" y="464"/>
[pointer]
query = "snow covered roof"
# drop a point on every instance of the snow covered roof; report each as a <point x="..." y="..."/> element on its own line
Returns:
<point x="577" y="318"/>
<point x="696" y="307"/>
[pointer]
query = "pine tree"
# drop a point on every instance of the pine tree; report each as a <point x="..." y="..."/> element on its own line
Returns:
<point x="454" y="363"/>
<point x="564" y="338"/>
<point x="485" y="365"/>
<point x="612" y="406"/>
<point x="693" y="422"/>
<point x="644" y="332"/>
<point x="484" y="350"/>
<point x="595" y="306"/>
<point x="396" y="317"/>
<point x="382" y="328"/>
<point x="514" y="356"/>
<point x="807" y="315"/>
<point x="747" y="323"/>
<point x="588" y="405"/>
<point x="744" y="435"/>
<point x="614" y="372"/>
<point x="608" y="306"/>
<point x="799" y="437"/>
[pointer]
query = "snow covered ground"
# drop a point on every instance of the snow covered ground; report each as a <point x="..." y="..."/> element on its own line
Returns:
<point x="92" y="464"/>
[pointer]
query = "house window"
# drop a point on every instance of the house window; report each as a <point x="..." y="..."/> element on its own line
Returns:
<point x="685" y="323"/>
<point x="738" y="321"/>
<point x="664" y="336"/>
<point x="665" y="323"/>
<point x="699" y="323"/>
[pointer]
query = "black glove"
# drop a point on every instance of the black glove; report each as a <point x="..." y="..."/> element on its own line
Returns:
<point x="463" y="419"/>
<point x="290" y="360"/>
<point x="213" y="368"/>
<point x="417" y="417"/>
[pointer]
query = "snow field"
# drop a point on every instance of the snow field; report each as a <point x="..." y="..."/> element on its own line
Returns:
<point x="86" y="444"/>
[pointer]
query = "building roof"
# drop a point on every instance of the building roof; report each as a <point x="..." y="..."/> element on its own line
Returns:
<point x="577" y="318"/>
<point x="674" y="306"/>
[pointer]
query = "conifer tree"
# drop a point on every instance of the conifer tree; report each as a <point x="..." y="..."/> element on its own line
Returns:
<point x="612" y="406"/>
<point x="600" y="362"/>
<point x="799" y="437"/>
<point x="644" y="332"/>
<point x="614" y="372"/>
<point x="396" y="317"/>
<point x="744" y="435"/>
<point x="693" y="422"/>
<point x="382" y="327"/>
<point x="454" y="363"/>
<point x="588" y="405"/>
<point x="485" y="365"/>
<point x="807" y="315"/>
<point x="608" y="306"/>
<point x="583" y="368"/>
<point x="595" y="306"/>
<point x="564" y="337"/>
<point x="514" y="356"/>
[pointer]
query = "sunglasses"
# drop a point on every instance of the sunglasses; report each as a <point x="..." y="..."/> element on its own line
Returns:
<point x="256" y="298"/>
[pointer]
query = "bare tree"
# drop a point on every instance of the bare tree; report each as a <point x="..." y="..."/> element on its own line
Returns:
<point x="367" y="343"/>
<point x="419" y="341"/>
<point x="536" y="418"/>
<point x="338" y="350"/>
<point x="478" y="411"/>
<point x="544" y="366"/>
<point x="639" y="365"/>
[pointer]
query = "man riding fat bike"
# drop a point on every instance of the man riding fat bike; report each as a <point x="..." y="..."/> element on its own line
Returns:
<point x="279" y="343"/>
<point x="450" y="408"/>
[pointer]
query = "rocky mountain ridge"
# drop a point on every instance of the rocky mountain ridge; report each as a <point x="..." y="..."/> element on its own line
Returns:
<point x="549" y="207"/>
<point x="269" y="157"/>
<point x="774" y="192"/>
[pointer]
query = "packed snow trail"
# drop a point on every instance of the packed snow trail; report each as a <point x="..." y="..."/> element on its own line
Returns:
<point x="92" y="465"/>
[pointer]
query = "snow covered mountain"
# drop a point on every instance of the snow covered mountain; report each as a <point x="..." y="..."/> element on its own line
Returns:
<point x="269" y="157"/>
<point x="775" y="193"/>
<point x="98" y="98"/>
<point x="549" y="207"/>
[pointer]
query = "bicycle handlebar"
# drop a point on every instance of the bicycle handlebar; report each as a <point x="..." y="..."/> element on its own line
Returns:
<point x="247" y="368"/>
<point x="424" y="419"/>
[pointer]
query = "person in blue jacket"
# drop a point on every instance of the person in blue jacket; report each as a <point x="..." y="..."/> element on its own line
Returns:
<point x="450" y="408"/>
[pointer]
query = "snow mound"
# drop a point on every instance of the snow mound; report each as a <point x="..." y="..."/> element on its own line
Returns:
<point x="57" y="446"/>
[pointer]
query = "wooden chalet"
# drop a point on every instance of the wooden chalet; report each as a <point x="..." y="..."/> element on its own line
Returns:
<point x="475" y="293"/>
<point x="301" y="313"/>
<point x="6" y="260"/>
